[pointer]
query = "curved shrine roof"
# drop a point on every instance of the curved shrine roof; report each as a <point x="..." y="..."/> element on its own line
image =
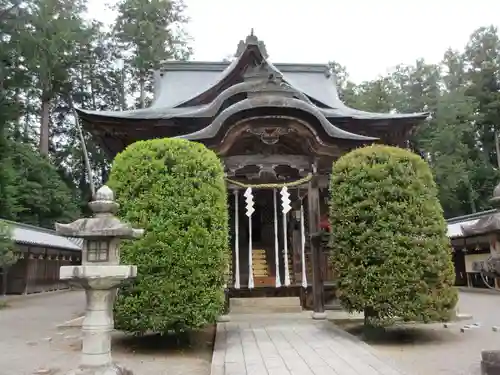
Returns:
<point x="181" y="82"/>
<point x="215" y="91"/>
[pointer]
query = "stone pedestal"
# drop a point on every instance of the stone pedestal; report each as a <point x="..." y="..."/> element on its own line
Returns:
<point x="490" y="362"/>
<point x="319" y="315"/>
<point x="112" y="369"/>
<point x="224" y="318"/>
<point x="100" y="284"/>
<point x="100" y="275"/>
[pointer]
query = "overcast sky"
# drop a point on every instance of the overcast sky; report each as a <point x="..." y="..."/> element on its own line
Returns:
<point x="367" y="36"/>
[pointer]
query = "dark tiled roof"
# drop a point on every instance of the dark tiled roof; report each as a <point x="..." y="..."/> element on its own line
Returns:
<point x="177" y="83"/>
<point x="455" y="223"/>
<point x="25" y="234"/>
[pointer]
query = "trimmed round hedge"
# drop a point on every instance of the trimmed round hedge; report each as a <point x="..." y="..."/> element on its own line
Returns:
<point x="389" y="244"/>
<point x="175" y="190"/>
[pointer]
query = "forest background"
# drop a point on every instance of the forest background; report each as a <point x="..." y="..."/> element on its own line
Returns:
<point x="54" y="58"/>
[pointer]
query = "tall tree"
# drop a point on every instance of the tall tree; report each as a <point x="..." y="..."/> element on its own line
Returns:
<point x="95" y="82"/>
<point x="482" y="59"/>
<point x="51" y="30"/>
<point x="11" y="18"/>
<point x="150" y="31"/>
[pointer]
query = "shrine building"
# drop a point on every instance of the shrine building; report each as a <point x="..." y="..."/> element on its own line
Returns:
<point x="277" y="128"/>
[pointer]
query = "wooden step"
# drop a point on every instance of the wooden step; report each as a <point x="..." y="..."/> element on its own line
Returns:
<point x="259" y="265"/>
<point x="260" y="305"/>
<point x="258" y="251"/>
<point x="266" y="280"/>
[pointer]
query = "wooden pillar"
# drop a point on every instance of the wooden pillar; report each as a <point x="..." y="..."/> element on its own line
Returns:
<point x="27" y="273"/>
<point x="315" y="246"/>
<point x="236" y="253"/>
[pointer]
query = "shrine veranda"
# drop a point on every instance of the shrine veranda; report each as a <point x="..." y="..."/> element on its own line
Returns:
<point x="277" y="129"/>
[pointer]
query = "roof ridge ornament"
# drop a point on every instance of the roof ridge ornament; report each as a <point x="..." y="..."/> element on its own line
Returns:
<point x="261" y="71"/>
<point x="266" y="81"/>
<point x="251" y="40"/>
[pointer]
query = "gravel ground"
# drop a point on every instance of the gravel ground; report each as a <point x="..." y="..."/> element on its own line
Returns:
<point x="30" y="341"/>
<point x="435" y="350"/>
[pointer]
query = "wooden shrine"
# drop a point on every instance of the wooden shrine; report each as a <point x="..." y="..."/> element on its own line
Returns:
<point x="277" y="128"/>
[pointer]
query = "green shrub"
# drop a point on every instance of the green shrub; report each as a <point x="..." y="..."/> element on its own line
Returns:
<point x="388" y="237"/>
<point x="8" y="257"/>
<point x="175" y="190"/>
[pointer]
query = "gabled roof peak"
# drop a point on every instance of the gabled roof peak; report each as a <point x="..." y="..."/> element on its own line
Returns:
<point x="251" y="40"/>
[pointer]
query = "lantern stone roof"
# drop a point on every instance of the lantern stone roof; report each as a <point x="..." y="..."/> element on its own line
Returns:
<point x="194" y="100"/>
<point x="103" y="224"/>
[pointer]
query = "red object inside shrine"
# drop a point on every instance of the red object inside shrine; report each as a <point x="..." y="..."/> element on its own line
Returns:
<point x="324" y="223"/>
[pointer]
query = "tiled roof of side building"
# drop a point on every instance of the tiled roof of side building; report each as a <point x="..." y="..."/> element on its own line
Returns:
<point x="455" y="223"/>
<point x="31" y="235"/>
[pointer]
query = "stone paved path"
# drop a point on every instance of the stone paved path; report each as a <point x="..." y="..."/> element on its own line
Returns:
<point x="300" y="346"/>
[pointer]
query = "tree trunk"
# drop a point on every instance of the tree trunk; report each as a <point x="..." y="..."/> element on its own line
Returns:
<point x="497" y="148"/>
<point x="44" y="126"/>
<point x="92" y="91"/>
<point x="142" y="90"/>
<point x="17" y="126"/>
<point x="104" y="174"/>
<point x="472" y="203"/>
<point x="26" y="130"/>
<point x="123" y="103"/>
<point x="370" y="331"/>
<point x="4" y="281"/>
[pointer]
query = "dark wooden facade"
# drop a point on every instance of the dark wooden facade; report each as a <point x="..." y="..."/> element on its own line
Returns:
<point x="269" y="123"/>
<point x="41" y="253"/>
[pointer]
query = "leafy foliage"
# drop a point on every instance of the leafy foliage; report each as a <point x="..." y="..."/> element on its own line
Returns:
<point x="52" y="54"/>
<point x="41" y="197"/>
<point x="174" y="189"/>
<point x="459" y="138"/>
<point x="150" y="32"/>
<point x="389" y="241"/>
<point x="53" y="58"/>
<point x="7" y="255"/>
<point x="37" y="194"/>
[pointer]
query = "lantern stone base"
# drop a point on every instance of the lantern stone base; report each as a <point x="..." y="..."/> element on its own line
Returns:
<point x="490" y="362"/>
<point x="103" y="276"/>
<point x="319" y="315"/>
<point x="113" y="369"/>
<point x="100" y="283"/>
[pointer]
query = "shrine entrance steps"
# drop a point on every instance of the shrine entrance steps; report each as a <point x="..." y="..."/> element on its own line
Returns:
<point x="265" y="305"/>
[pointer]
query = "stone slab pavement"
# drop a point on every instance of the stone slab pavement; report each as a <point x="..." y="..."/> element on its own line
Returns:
<point x="292" y="346"/>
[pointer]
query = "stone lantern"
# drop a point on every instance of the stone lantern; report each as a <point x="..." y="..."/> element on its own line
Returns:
<point x="100" y="275"/>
